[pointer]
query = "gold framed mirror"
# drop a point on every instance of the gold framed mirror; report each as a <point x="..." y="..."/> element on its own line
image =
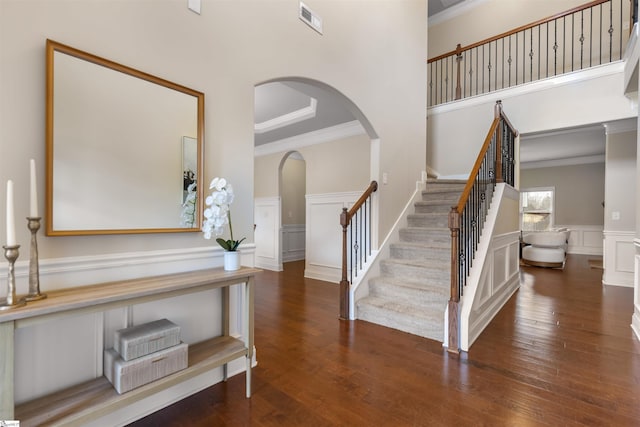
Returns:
<point x="124" y="149"/>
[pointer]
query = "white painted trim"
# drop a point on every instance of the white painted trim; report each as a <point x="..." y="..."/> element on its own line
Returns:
<point x="635" y="319"/>
<point x="320" y="136"/>
<point x="482" y="267"/>
<point x="296" y="116"/>
<point x="274" y="262"/>
<point x="581" y="235"/>
<point x="618" y="245"/>
<point x="553" y="82"/>
<point x="59" y="273"/>
<point x="582" y="160"/>
<point x="454" y="11"/>
<point x="621" y="126"/>
<point x="288" y="233"/>
<point x="631" y="59"/>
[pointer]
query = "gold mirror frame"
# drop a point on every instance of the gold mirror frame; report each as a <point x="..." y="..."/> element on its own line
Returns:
<point x="173" y="90"/>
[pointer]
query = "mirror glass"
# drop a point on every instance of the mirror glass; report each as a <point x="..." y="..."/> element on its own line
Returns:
<point x="124" y="148"/>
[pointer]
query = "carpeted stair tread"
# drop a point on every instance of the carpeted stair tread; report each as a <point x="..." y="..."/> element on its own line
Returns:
<point x="405" y="317"/>
<point x="420" y="250"/>
<point x="438" y="291"/>
<point x="412" y="290"/>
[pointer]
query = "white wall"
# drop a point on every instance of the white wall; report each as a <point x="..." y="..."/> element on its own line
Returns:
<point x="620" y="207"/>
<point x="377" y="60"/>
<point x="333" y="169"/>
<point x="578" y="99"/>
<point x="503" y="15"/>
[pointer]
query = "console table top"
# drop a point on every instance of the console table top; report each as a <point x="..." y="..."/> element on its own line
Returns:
<point x="122" y="291"/>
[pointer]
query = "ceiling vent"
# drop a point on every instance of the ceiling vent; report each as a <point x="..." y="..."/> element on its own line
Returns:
<point x="310" y="18"/>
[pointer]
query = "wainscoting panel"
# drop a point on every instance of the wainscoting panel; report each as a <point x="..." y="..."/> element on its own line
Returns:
<point x="619" y="258"/>
<point x="499" y="279"/>
<point x="635" y="321"/>
<point x="585" y="239"/>
<point x="293" y="242"/>
<point x="323" y="253"/>
<point x="267" y="233"/>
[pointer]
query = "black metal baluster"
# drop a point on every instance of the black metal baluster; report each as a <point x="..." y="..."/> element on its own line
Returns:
<point x="509" y="61"/>
<point x="581" y="39"/>
<point x="591" y="38"/>
<point x="516" y="59"/>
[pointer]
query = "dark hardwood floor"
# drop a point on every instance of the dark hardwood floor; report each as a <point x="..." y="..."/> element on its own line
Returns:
<point x="560" y="353"/>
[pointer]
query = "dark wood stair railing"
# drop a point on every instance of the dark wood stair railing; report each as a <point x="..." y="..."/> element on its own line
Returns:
<point x="572" y="40"/>
<point x="495" y="163"/>
<point x="356" y="232"/>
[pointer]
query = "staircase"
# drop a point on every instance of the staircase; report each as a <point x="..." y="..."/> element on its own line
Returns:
<point x="412" y="292"/>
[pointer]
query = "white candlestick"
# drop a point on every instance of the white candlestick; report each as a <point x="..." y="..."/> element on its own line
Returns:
<point x="33" y="206"/>
<point x="11" y="222"/>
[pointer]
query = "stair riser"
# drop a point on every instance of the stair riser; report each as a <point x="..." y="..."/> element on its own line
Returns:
<point x="441" y="238"/>
<point x="431" y="330"/>
<point x="444" y="187"/>
<point x="432" y="208"/>
<point x="435" y="253"/>
<point x="429" y="299"/>
<point x="428" y="220"/>
<point x="448" y="196"/>
<point x="411" y="272"/>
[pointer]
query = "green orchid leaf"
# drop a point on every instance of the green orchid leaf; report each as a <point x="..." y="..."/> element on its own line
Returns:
<point x="225" y="244"/>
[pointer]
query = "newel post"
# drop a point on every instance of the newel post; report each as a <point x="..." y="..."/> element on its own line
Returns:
<point x="344" y="283"/>
<point x="499" y="131"/>
<point x="454" y="339"/>
<point x="458" y="61"/>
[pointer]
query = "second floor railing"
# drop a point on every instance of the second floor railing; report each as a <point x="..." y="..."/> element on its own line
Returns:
<point x="495" y="163"/>
<point x="583" y="37"/>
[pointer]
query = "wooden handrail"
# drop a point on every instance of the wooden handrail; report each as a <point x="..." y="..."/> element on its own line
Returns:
<point x="476" y="167"/>
<point x="459" y="49"/>
<point x="345" y="220"/>
<point x="346" y="216"/>
<point x="462" y="254"/>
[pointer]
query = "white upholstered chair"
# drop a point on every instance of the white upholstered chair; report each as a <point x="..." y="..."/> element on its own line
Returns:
<point x="545" y="248"/>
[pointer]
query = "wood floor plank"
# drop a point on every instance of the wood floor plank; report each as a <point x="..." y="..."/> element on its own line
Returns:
<point x="560" y="353"/>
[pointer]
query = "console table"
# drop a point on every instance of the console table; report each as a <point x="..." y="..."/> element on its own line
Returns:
<point x="93" y="399"/>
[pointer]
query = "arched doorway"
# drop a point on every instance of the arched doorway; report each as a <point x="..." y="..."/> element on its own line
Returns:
<point x="292" y="206"/>
<point x="298" y="118"/>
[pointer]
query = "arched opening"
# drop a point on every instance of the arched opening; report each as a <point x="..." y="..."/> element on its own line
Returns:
<point x="301" y="121"/>
<point x="292" y="179"/>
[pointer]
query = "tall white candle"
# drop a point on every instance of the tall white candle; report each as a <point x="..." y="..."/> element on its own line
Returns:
<point x="11" y="222"/>
<point x="33" y="206"/>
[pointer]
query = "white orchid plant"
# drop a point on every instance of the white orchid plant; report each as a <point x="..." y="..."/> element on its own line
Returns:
<point x="218" y="213"/>
<point x="188" y="214"/>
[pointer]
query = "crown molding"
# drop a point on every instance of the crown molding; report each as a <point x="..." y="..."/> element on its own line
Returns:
<point x="454" y="11"/>
<point x="571" y="161"/>
<point x="289" y="118"/>
<point x="343" y="130"/>
<point x="621" y="126"/>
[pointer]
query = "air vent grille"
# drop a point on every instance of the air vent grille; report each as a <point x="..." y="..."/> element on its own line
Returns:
<point x="310" y="18"/>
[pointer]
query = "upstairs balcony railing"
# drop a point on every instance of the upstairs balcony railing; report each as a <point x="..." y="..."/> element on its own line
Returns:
<point x="589" y="35"/>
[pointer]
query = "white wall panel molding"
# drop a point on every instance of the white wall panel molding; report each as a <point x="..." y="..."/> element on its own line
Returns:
<point x="293" y="242"/>
<point x="635" y="320"/>
<point x="293" y="143"/>
<point x="59" y="273"/>
<point x="267" y="211"/>
<point x="323" y="253"/>
<point x="499" y="280"/>
<point x="619" y="258"/>
<point x="585" y="239"/>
